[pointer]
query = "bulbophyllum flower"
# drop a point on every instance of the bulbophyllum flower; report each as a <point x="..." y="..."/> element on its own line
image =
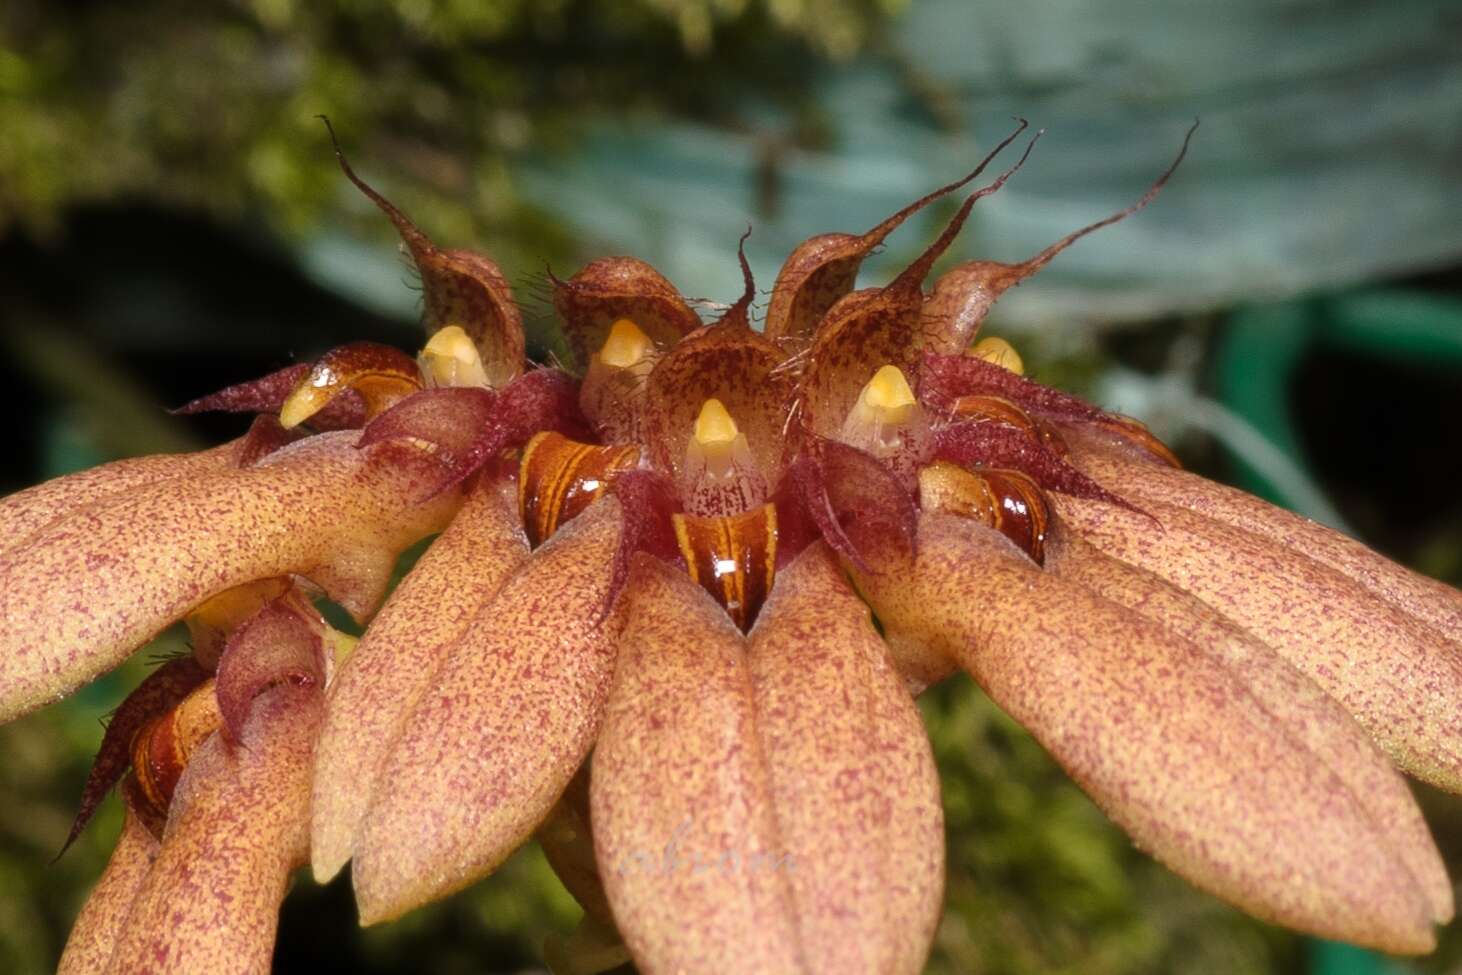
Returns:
<point x="675" y="618"/>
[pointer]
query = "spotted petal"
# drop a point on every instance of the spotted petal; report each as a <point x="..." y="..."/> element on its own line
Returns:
<point x="1315" y="718"/>
<point x="1437" y="603"/>
<point x="509" y="717"/>
<point x="396" y="660"/>
<point x="26" y="512"/>
<point x="96" y="930"/>
<point x="680" y="799"/>
<point x="238" y="826"/>
<point x="92" y="587"/>
<point x="1171" y="744"/>
<point x="1399" y="678"/>
<point x="852" y="779"/>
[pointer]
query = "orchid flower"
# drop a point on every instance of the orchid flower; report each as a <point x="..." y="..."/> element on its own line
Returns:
<point x="676" y="617"/>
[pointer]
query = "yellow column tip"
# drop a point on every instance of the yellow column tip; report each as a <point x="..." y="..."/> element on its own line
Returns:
<point x="626" y="345"/>
<point x="998" y="351"/>
<point x="888" y="389"/>
<point x="714" y="424"/>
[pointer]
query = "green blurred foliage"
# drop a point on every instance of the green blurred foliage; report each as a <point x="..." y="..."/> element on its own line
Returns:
<point x="212" y="105"/>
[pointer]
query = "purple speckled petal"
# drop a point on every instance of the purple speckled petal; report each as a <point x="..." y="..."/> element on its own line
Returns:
<point x="1172" y="745"/>
<point x="681" y="802"/>
<point x="1315" y="718"/>
<point x="852" y="778"/>
<point x="1435" y="602"/>
<point x="1399" y="678"/>
<point x="26" y="512"/>
<point x="94" y="935"/>
<point x="395" y="661"/>
<point x="92" y="587"/>
<point x="508" y="718"/>
<point x="238" y="826"/>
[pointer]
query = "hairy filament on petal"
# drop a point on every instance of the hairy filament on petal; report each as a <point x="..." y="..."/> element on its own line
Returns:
<point x="1008" y="501"/>
<point x="458" y="287"/>
<point x="382" y="375"/>
<point x="963" y="296"/>
<point x="558" y="478"/>
<point x="732" y="557"/>
<point x="822" y="269"/>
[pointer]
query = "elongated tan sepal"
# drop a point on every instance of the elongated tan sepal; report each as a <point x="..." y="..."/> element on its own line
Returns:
<point x="508" y="718"/>
<point x="94" y="586"/>
<point x="852" y="778"/>
<point x="1168" y="742"/>
<point x="1437" y="603"/>
<point x="1295" y="701"/>
<point x="396" y="660"/>
<point x="1399" y="678"/>
<point x="238" y="827"/>
<point x="681" y="803"/>
<point x="26" y="512"/>
<point x="94" y="935"/>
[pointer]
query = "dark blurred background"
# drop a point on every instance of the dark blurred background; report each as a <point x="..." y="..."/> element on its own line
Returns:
<point x="1288" y="314"/>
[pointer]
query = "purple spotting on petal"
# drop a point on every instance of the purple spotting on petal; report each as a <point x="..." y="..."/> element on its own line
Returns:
<point x="647" y="500"/>
<point x="281" y="643"/>
<point x="984" y="443"/>
<point x="856" y="502"/>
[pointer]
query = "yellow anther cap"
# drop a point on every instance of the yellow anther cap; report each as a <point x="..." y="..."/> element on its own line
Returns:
<point x="626" y="345"/>
<point x="714" y="425"/>
<point x="998" y="351"/>
<point x="888" y="389"/>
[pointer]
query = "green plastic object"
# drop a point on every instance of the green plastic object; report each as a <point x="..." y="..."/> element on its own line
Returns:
<point x="1255" y="361"/>
<point x="1263" y="344"/>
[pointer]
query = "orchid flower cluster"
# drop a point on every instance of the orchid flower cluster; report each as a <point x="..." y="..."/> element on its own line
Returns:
<point x="685" y="594"/>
